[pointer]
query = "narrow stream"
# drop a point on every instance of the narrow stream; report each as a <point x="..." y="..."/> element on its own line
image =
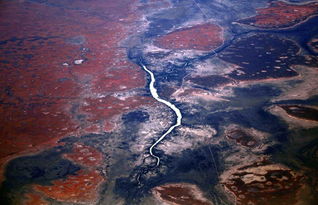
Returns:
<point x="155" y="95"/>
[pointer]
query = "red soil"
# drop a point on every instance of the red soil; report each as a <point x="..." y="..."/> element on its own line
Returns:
<point x="34" y="199"/>
<point x="85" y="155"/>
<point x="106" y="107"/>
<point x="180" y="194"/>
<point x="264" y="185"/>
<point x="80" y="188"/>
<point x="119" y="79"/>
<point x="39" y="92"/>
<point x="42" y="90"/>
<point x="203" y="37"/>
<point x="280" y="14"/>
<point x="241" y="137"/>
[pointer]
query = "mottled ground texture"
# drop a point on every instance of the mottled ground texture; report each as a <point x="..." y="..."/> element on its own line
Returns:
<point x="78" y="119"/>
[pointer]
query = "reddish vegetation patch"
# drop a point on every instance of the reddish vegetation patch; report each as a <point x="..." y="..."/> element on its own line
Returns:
<point x="201" y="37"/>
<point x="42" y="88"/>
<point x="241" y="137"/>
<point x="263" y="183"/>
<point x="180" y="194"/>
<point x="280" y="14"/>
<point x="109" y="126"/>
<point x="34" y="199"/>
<point x="80" y="188"/>
<point x="85" y="156"/>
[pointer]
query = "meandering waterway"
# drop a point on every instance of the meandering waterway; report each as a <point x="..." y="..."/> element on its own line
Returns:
<point x="155" y="95"/>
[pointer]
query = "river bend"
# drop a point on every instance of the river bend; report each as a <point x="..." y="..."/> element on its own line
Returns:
<point x="155" y="95"/>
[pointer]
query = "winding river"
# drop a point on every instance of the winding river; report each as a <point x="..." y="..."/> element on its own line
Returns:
<point x="155" y="95"/>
